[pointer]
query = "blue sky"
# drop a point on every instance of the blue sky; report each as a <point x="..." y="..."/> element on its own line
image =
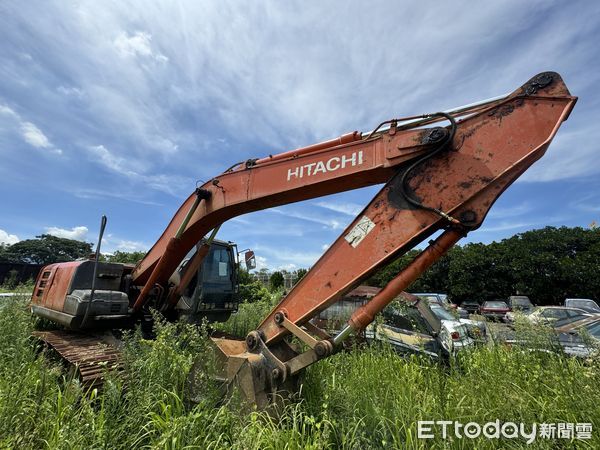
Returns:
<point x="118" y="109"/>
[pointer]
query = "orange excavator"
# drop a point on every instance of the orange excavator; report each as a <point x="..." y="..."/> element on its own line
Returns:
<point x="441" y="174"/>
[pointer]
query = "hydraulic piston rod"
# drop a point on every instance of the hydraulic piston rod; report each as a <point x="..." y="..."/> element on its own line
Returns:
<point x="366" y="314"/>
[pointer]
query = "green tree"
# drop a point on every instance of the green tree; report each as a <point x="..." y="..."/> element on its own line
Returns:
<point x="551" y="264"/>
<point x="433" y="280"/>
<point x="276" y="280"/>
<point x="475" y="272"/>
<point x="548" y="265"/>
<point x="126" y="257"/>
<point x="3" y="248"/>
<point x="254" y="292"/>
<point x="47" y="249"/>
<point x="251" y="290"/>
<point x="300" y="274"/>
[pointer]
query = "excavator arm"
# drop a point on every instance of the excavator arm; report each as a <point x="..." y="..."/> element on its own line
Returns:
<point x="435" y="179"/>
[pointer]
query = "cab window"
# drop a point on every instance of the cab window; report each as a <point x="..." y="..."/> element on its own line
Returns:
<point x="218" y="264"/>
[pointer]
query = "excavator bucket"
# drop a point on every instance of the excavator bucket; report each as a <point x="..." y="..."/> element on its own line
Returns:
<point x="256" y="376"/>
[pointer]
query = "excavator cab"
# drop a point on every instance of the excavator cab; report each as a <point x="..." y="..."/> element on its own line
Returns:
<point x="213" y="291"/>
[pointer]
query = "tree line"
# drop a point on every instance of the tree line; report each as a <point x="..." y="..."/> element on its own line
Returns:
<point x="548" y="265"/>
<point x="48" y="249"/>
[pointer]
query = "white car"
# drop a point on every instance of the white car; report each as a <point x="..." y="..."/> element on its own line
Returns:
<point x="421" y="328"/>
<point x="454" y="333"/>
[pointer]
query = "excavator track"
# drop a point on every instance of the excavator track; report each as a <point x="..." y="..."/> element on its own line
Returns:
<point x="91" y="356"/>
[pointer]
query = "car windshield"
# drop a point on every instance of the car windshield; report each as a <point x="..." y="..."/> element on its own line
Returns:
<point x="441" y="313"/>
<point x="496" y="305"/>
<point x="562" y="322"/>
<point x="521" y="302"/>
<point x="594" y="329"/>
<point x="590" y="304"/>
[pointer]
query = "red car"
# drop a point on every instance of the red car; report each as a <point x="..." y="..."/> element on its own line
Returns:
<point x="494" y="309"/>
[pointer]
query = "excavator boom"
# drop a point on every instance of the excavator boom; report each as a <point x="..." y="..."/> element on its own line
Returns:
<point x="436" y="179"/>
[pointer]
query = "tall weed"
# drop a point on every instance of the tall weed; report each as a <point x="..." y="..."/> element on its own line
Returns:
<point x="365" y="398"/>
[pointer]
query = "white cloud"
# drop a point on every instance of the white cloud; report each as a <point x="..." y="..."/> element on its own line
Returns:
<point x="275" y="77"/>
<point x="70" y="91"/>
<point x="172" y="184"/>
<point x="350" y="209"/>
<point x="285" y="256"/>
<point x="9" y="239"/>
<point x="506" y="212"/>
<point x="261" y="263"/>
<point x="8" y="111"/>
<point x="112" y="161"/>
<point x="505" y="226"/>
<point x="225" y="70"/>
<point x="309" y="217"/>
<point x="131" y="246"/>
<point x="590" y="203"/>
<point x="112" y="243"/>
<point x="30" y="132"/>
<point x="77" y="233"/>
<point x="122" y="194"/>
<point x="34" y="136"/>
<point x="571" y="155"/>
<point x="138" y="44"/>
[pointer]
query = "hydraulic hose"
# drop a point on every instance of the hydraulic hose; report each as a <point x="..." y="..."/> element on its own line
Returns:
<point x="445" y="144"/>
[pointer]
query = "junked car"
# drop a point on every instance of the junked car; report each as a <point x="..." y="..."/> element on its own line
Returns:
<point x="476" y="329"/>
<point x="579" y="337"/>
<point x="547" y="314"/>
<point x="410" y="324"/>
<point x="494" y="309"/>
<point x="587" y="304"/>
<point x="431" y="297"/>
<point x="443" y="300"/>
<point x="520" y="303"/>
<point x="421" y="327"/>
<point x="471" y="306"/>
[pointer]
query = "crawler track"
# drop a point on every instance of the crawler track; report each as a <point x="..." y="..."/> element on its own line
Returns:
<point x="90" y="355"/>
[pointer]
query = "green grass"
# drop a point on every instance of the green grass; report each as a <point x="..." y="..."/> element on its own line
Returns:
<point x="23" y="290"/>
<point x="368" y="398"/>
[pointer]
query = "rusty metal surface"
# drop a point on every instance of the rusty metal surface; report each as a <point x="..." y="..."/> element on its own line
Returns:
<point x="260" y="374"/>
<point x="363" y="291"/>
<point x="91" y="356"/>
<point x="283" y="181"/>
<point x="52" y="285"/>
